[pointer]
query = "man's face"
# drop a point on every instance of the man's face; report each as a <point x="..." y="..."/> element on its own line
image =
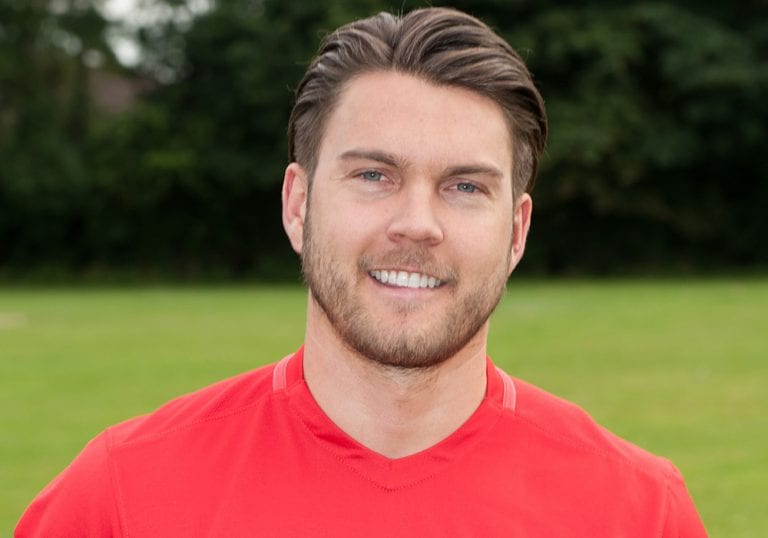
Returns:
<point x="410" y="230"/>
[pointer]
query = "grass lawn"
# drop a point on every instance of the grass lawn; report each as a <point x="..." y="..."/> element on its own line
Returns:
<point x="678" y="367"/>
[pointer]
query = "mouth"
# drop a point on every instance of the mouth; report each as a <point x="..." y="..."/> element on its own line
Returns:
<point x="405" y="279"/>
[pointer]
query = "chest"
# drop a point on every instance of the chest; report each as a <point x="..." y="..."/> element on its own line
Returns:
<point x="270" y="487"/>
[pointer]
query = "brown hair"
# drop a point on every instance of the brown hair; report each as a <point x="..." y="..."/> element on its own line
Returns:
<point x="441" y="45"/>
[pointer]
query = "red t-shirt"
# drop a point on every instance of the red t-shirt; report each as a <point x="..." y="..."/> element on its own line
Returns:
<point x="256" y="456"/>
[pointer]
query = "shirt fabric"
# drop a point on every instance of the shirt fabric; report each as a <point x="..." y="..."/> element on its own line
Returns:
<point x="256" y="456"/>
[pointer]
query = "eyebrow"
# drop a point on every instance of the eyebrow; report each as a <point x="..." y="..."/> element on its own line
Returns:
<point x="393" y="160"/>
<point x="373" y="155"/>
<point x="474" y="169"/>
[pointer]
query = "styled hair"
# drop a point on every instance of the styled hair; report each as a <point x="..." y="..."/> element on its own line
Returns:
<point x="440" y="45"/>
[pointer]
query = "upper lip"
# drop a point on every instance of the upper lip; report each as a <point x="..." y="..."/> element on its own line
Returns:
<point x="404" y="270"/>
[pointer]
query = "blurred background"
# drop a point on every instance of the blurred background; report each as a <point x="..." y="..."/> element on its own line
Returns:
<point x="146" y="139"/>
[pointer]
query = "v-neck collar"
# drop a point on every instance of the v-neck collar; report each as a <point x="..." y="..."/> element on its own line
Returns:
<point x="389" y="473"/>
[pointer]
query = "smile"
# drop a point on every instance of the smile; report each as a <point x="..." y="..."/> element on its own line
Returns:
<point x="404" y="279"/>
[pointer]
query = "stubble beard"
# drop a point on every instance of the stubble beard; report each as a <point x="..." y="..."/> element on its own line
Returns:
<point x="407" y="347"/>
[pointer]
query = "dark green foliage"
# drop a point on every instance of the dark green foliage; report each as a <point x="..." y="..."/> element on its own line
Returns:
<point x="655" y="159"/>
<point x="657" y="122"/>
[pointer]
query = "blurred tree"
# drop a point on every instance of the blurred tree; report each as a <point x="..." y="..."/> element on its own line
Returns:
<point x="657" y="121"/>
<point x="655" y="157"/>
<point x="44" y="118"/>
<point x="209" y="147"/>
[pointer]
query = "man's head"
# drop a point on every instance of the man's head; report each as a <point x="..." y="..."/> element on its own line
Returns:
<point x="443" y="46"/>
<point x="418" y="137"/>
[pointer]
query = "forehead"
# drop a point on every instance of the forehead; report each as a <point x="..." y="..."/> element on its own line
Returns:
<point x="419" y="121"/>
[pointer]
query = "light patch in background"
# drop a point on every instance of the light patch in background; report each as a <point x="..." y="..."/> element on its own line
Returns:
<point x="132" y="15"/>
<point x="13" y="320"/>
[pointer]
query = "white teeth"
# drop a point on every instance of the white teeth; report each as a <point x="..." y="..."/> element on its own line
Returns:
<point x="404" y="279"/>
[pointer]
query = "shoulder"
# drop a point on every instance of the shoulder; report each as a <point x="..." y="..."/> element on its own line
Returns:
<point x="83" y="500"/>
<point x="215" y="402"/>
<point x="573" y="454"/>
<point x="564" y="462"/>
<point x="565" y="424"/>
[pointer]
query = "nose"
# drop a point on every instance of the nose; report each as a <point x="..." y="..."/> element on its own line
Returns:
<point x="415" y="218"/>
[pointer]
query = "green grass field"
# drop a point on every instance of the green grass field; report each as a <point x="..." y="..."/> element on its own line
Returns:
<point x="678" y="367"/>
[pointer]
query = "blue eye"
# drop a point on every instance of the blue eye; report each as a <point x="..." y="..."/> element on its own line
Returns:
<point x="371" y="175"/>
<point x="466" y="187"/>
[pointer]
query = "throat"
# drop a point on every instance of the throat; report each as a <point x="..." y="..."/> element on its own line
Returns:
<point x="394" y="412"/>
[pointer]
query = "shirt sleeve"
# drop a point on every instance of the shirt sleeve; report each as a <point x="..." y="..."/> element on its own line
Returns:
<point x="79" y="502"/>
<point x="683" y="520"/>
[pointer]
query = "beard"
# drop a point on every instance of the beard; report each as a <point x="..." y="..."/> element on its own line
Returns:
<point x="409" y="344"/>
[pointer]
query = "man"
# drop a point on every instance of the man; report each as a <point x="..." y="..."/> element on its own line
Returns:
<point x="414" y="143"/>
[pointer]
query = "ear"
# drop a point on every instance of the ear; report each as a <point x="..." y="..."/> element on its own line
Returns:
<point x="520" y="226"/>
<point x="295" y="192"/>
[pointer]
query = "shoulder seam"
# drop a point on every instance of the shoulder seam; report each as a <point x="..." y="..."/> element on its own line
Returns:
<point x="667" y="501"/>
<point x="117" y="497"/>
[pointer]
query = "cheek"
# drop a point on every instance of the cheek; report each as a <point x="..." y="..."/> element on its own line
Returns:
<point x="339" y="227"/>
<point x="485" y="247"/>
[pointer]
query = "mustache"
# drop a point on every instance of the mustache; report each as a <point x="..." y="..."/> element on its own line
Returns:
<point x="416" y="259"/>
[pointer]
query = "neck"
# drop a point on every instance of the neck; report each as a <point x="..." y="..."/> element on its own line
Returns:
<point x="393" y="411"/>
